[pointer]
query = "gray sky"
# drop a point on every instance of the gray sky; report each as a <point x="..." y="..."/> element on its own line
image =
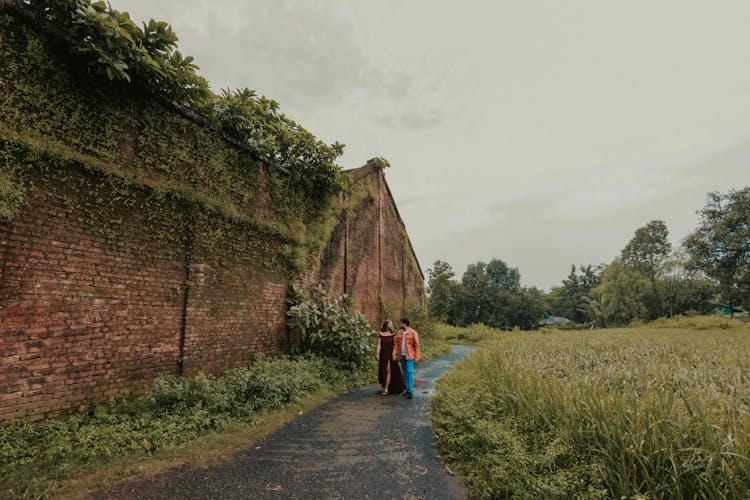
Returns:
<point x="539" y="132"/>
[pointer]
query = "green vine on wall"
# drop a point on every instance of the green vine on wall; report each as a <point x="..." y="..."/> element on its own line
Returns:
<point x="53" y="117"/>
<point x="114" y="47"/>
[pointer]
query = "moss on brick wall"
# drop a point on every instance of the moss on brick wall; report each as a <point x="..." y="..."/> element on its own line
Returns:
<point x="52" y="112"/>
<point x="136" y="240"/>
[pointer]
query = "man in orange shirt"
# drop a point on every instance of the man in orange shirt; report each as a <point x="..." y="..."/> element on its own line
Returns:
<point x="406" y="348"/>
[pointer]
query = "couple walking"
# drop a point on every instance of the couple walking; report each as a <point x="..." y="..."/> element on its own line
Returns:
<point x="392" y="347"/>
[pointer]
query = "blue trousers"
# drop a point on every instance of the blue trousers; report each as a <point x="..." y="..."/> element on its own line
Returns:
<point x="407" y="366"/>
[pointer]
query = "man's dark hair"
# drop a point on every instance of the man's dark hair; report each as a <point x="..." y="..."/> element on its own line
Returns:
<point x="405" y="321"/>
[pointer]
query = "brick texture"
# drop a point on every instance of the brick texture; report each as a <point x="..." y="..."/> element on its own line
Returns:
<point x="84" y="314"/>
<point x="235" y="307"/>
<point x="80" y="317"/>
<point x="100" y="291"/>
<point x="369" y="255"/>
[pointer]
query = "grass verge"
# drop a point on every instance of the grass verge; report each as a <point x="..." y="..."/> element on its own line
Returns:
<point x="41" y="459"/>
<point x="203" y="452"/>
<point x="659" y="411"/>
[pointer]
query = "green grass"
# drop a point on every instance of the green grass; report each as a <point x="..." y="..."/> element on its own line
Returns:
<point x="473" y="334"/>
<point x="432" y="346"/>
<point x="657" y="411"/>
<point x="38" y="458"/>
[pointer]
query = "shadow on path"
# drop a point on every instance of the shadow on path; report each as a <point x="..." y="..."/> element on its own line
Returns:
<point x="358" y="445"/>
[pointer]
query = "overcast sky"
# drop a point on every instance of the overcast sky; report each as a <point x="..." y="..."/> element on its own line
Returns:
<point x="542" y="133"/>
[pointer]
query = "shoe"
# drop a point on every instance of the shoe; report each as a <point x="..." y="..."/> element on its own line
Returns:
<point x="409" y="395"/>
<point x="383" y="393"/>
<point x="404" y="394"/>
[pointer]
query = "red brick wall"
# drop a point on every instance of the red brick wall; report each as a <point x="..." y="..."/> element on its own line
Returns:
<point x="235" y="306"/>
<point x="369" y="255"/>
<point x="81" y="318"/>
<point x="362" y="262"/>
<point x="103" y="287"/>
<point x="88" y="310"/>
<point x="330" y="269"/>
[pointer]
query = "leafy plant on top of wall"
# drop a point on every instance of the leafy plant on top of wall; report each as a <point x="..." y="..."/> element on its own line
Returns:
<point x="116" y="48"/>
<point x="57" y="123"/>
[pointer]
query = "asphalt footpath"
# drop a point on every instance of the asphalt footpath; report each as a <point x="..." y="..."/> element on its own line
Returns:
<point x="358" y="445"/>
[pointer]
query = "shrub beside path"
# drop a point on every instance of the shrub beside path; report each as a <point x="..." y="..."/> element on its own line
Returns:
<point x="358" y="445"/>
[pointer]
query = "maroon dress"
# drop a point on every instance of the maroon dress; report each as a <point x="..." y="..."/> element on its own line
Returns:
<point x="397" y="379"/>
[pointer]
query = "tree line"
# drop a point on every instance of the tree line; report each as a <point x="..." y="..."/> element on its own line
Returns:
<point x="648" y="280"/>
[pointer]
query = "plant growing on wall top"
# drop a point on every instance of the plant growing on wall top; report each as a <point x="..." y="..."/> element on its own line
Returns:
<point x="379" y="162"/>
<point x="116" y="48"/>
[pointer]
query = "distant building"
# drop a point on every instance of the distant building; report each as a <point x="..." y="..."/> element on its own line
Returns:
<point x="553" y="321"/>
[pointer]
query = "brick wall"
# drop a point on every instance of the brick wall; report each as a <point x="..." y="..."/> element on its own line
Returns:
<point x="236" y="305"/>
<point x="87" y="310"/>
<point x="81" y="317"/>
<point x="106" y="281"/>
<point x="369" y="255"/>
<point x="85" y="313"/>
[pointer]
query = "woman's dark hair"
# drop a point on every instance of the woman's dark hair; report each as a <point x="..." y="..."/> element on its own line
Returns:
<point x="405" y="321"/>
<point x="385" y="326"/>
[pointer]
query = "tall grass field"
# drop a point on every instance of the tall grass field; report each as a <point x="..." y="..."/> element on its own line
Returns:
<point x="652" y="411"/>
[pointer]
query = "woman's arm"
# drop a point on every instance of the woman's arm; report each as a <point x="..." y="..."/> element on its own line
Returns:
<point x="377" y="351"/>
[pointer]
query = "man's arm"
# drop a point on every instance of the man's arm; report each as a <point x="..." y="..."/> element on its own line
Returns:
<point x="416" y="346"/>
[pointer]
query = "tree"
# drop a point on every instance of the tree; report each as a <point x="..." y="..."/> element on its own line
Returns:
<point x="490" y="290"/>
<point x="720" y="245"/>
<point x="499" y="275"/>
<point x="441" y="288"/>
<point x="646" y="253"/>
<point x="489" y="293"/>
<point x="647" y="249"/>
<point x="684" y="289"/>
<point x="620" y="298"/>
<point x="477" y="303"/>
<point x="527" y="307"/>
<point x="569" y="299"/>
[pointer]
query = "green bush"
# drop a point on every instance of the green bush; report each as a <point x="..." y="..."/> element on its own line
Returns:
<point x="116" y="48"/>
<point x="330" y="328"/>
<point x="697" y="323"/>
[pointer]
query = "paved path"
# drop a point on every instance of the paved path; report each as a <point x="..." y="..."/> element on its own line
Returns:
<point x="358" y="445"/>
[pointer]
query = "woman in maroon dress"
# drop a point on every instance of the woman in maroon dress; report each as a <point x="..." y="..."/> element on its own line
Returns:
<point x="389" y="372"/>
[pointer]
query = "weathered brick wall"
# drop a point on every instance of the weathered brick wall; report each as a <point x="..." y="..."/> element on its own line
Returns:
<point x="362" y="260"/>
<point x="81" y="317"/>
<point x="87" y="310"/>
<point x="236" y="305"/>
<point x="369" y="255"/>
<point x="117" y="267"/>
<point x="403" y="281"/>
<point x="114" y="230"/>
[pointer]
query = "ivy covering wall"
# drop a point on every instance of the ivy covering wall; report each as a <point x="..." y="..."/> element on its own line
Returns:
<point x="82" y="85"/>
<point x="148" y="225"/>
